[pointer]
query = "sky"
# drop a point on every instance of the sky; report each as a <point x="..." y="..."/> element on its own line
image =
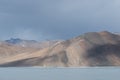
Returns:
<point x="57" y="19"/>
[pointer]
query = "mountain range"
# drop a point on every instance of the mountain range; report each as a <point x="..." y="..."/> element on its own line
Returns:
<point x="87" y="50"/>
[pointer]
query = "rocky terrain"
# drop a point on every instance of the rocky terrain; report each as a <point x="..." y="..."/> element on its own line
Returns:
<point x="89" y="49"/>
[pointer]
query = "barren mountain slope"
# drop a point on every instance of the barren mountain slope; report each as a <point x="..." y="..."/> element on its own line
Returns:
<point x="89" y="49"/>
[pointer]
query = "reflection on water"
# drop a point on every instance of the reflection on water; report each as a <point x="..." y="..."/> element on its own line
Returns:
<point x="60" y="73"/>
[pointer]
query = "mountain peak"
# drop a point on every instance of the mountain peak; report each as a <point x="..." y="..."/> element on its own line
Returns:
<point x="18" y="40"/>
<point x="14" y="40"/>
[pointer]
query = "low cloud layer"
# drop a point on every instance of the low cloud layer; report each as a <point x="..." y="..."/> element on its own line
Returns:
<point x="57" y="19"/>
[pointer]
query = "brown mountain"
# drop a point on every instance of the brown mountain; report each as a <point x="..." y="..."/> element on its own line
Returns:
<point x="89" y="49"/>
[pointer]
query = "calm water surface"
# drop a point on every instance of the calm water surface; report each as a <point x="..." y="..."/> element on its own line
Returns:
<point x="60" y="73"/>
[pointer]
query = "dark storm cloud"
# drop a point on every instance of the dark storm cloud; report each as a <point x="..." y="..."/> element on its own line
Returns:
<point x="52" y="19"/>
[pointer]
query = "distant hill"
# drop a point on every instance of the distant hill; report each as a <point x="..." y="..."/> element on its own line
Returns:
<point x="18" y="41"/>
<point x="89" y="49"/>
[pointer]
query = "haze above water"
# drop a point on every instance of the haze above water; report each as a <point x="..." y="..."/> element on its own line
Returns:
<point x="59" y="73"/>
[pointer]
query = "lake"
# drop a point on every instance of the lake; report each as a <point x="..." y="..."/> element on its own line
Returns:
<point x="108" y="73"/>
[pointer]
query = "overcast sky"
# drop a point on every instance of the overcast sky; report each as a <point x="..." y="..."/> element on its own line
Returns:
<point x="57" y="19"/>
